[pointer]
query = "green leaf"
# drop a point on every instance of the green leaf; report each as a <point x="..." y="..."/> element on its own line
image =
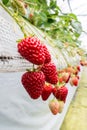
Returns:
<point x="52" y="4"/>
<point x="5" y="1"/>
<point x="51" y="20"/>
<point x="73" y="16"/>
<point x="43" y="16"/>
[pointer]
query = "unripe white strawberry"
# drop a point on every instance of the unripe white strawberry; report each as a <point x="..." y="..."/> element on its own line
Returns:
<point x="61" y="106"/>
<point x="54" y="106"/>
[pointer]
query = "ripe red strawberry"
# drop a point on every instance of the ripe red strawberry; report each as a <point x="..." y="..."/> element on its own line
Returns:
<point x="50" y="73"/>
<point x="33" y="82"/>
<point x="47" y="90"/>
<point x="31" y="49"/>
<point x="66" y="76"/>
<point x="74" y="81"/>
<point x="78" y="67"/>
<point x="54" y="106"/>
<point x="47" y="54"/>
<point x="60" y="93"/>
<point x="82" y="63"/>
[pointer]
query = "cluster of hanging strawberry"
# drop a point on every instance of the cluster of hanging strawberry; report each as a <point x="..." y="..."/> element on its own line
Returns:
<point x="45" y="79"/>
<point x="70" y="74"/>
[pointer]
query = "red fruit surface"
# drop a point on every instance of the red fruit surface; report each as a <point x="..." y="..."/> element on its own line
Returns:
<point x="54" y="106"/>
<point x="60" y="93"/>
<point x="60" y="80"/>
<point x="74" y="81"/>
<point x="78" y="67"/>
<point x="31" y="49"/>
<point x="33" y="82"/>
<point x="47" y="54"/>
<point x="47" y="90"/>
<point x="50" y="72"/>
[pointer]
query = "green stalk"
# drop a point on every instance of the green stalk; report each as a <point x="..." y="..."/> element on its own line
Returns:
<point x="1" y="4"/>
<point x="19" y="20"/>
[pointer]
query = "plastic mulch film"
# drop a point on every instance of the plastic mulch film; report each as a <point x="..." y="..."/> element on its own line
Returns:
<point x="10" y="60"/>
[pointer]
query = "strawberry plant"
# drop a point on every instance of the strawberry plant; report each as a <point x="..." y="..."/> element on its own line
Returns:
<point x="62" y="31"/>
<point x="49" y="18"/>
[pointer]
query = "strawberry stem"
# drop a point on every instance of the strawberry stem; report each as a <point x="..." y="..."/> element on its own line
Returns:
<point x="33" y="68"/>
